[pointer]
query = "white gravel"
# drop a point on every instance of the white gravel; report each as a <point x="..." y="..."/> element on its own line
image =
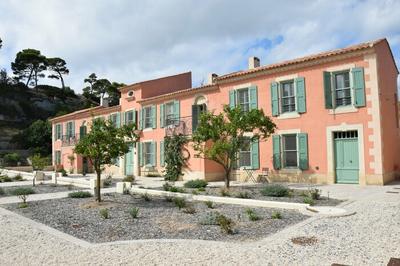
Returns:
<point x="370" y="237"/>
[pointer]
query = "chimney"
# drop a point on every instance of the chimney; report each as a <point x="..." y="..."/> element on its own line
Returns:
<point x="210" y="78"/>
<point x="254" y="62"/>
<point x="104" y="102"/>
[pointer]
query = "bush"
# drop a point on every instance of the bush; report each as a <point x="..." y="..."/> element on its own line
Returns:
<point x="11" y="159"/>
<point x="276" y="215"/>
<point x="2" y="192"/>
<point x="166" y="186"/>
<point x="210" y="219"/>
<point x="146" y="197"/>
<point x="243" y="195"/>
<point x="201" y="189"/>
<point x="308" y="200"/>
<point x="134" y="212"/>
<point x="22" y="191"/>
<point x="129" y="178"/>
<point x="23" y="205"/>
<point x="252" y="215"/>
<point x="198" y="183"/>
<point x="226" y="224"/>
<point x="224" y="192"/>
<point x="18" y="177"/>
<point x="107" y="182"/>
<point x="5" y="178"/>
<point x="189" y="210"/>
<point x="38" y="162"/>
<point x="315" y="194"/>
<point x="275" y="190"/>
<point x="62" y="171"/>
<point x="179" y="202"/>
<point x="80" y="194"/>
<point x="168" y="199"/>
<point x="104" y="213"/>
<point x="195" y="192"/>
<point x="177" y="189"/>
<point x="209" y="204"/>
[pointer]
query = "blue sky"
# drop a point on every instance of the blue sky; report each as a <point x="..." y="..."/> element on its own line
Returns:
<point x="129" y="41"/>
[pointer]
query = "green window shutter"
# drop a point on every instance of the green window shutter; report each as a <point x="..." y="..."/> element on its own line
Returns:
<point x="153" y="153"/>
<point x="253" y="97"/>
<point x="73" y="128"/>
<point x="255" y="159"/>
<point x="232" y="98"/>
<point x="118" y="119"/>
<point x="141" y="118"/>
<point x="300" y="95"/>
<point x="328" y="90"/>
<point x="177" y="113"/>
<point x="61" y="131"/>
<point x="162" y="163"/>
<point x="134" y="116"/>
<point x="358" y="86"/>
<point x="195" y="117"/>
<point x="162" y="116"/>
<point x="154" y="116"/>
<point x="303" y="150"/>
<point x="275" y="98"/>
<point x="276" y="147"/>
<point x="140" y="149"/>
<point x="55" y="135"/>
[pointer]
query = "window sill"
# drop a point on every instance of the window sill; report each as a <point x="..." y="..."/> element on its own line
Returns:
<point x="148" y="129"/>
<point x="290" y="115"/>
<point x="290" y="171"/>
<point x="130" y="98"/>
<point x="343" y="110"/>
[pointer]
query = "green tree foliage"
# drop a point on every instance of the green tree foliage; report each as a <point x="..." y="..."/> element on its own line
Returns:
<point x="103" y="143"/>
<point x="36" y="138"/>
<point x="174" y="156"/>
<point x="220" y="137"/>
<point x="29" y="65"/>
<point x="39" y="162"/>
<point x="97" y="88"/>
<point x="58" y="68"/>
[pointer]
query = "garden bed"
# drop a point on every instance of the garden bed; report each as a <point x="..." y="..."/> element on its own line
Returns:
<point x="38" y="189"/>
<point x="255" y="192"/>
<point x="158" y="219"/>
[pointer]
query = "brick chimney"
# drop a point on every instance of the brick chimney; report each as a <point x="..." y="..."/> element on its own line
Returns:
<point x="210" y="78"/>
<point x="254" y="62"/>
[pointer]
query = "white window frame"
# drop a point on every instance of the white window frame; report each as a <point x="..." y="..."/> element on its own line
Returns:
<point x="147" y="155"/>
<point x="147" y="110"/>
<point x="333" y="86"/>
<point x="114" y="115"/>
<point x="237" y="103"/>
<point x="249" y="152"/>
<point x="67" y="131"/>
<point x="133" y="115"/>
<point x="283" y="151"/>
<point x="169" y="122"/>
<point x="280" y="93"/>
<point x="57" y="159"/>
<point x="58" y="128"/>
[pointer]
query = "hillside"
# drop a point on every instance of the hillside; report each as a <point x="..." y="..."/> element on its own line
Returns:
<point x="20" y="106"/>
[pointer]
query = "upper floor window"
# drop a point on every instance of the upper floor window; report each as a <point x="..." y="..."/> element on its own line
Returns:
<point x="58" y="133"/>
<point x="246" y="98"/>
<point x="147" y="116"/>
<point x="243" y="99"/>
<point x="131" y="93"/>
<point x="115" y="119"/>
<point x="130" y="117"/>
<point x="169" y="113"/>
<point x="70" y="132"/>
<point x="288" y="97"/>
<point x="341" y="83"/>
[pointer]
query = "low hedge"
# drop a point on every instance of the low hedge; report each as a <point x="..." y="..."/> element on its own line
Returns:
<point x="80" y="194"/>
<point x="198" y="183"/>
<point x="275" y="190"/>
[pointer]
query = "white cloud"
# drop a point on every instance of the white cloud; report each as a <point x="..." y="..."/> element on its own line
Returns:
<point x="129" y="41"/>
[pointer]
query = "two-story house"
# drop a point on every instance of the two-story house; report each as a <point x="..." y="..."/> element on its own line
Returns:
<point x="336" y="114"/>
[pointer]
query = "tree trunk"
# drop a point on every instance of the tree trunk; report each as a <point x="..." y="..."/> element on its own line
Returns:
<point x="98" y="195"/>
<point x="62" y="81"/>
<point x="227" y="179"/>
<point x="29" y="78"/>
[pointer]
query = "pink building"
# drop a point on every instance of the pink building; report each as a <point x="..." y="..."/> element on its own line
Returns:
<point x="336" y="115"/>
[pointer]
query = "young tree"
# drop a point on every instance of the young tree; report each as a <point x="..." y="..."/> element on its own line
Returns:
<point x="29" y="64"/>
<point x="59" y="68"/>
<point x="103" y="143"/>
<point x="220" y="137"/>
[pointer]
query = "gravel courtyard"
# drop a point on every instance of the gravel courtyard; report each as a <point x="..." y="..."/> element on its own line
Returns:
<point x="370" y="237"/>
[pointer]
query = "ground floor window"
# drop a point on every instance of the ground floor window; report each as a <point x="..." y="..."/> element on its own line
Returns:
<point x="148" y="153"/>
<point x="57" y="157"/>
<point x="245" y="154"/>
<point x="289" y="143"/>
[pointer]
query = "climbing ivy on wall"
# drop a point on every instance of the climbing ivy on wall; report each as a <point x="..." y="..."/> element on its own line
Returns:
<point x="175" y="156"/>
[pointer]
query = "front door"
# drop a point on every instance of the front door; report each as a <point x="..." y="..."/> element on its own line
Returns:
<point x="129" y="161"/>
<point x="346" y="157"/>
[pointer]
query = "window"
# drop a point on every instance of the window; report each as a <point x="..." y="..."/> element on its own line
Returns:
<point x="289" y="143"/>
<point x="245" y="154"/>
<point x="169" y="114"/>
<point x="147" y="117"/>
<point x="196" y="112"/>
<point x="70" y="130"/>
<point x="131" y="94"/>
<point x="129" y="117"/>
<point x="243" y="99"/>
<point x="58" y="131"/>
<point x="57" y="157"/>
<point x="341" y="82"/>
<point x="288" y="98"/>
<point x="114" y="119"/>
<point x="147" y="153"/>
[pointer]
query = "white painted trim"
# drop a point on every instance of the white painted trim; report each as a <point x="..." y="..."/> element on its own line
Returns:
<point x="340" y="67"/>
<point x="242" y="86"/>
<point x="289" y="115"/>
<point x="198" y="95"/>
<point x="343" y="110"/>
<point x="288" y="131"/>
<point x="330" y="150"/>
<point x="285" y="78"/>
<point x="148" y="129"/>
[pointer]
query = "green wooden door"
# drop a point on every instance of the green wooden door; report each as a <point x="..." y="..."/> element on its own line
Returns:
<point x="129" y="161"/>
<point x="346" y="157"/>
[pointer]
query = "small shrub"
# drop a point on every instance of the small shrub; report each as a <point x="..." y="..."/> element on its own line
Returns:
<point x="80" y="194"/>
<point x="18" y="177"/>
<point x="5" y="178"/>
<point x="107" y="182"/>
<point x="201" y="189"/>
<point x="209" y="204"/>
<point x="146" y="197"/>
<point x="224" y="192"/>
<point x="275" y="190"/>
<point x="38" y="162"/>
<point x="226" y="224"/>
<point x="304" y="193"/>
<point x="129" y="178"/>
<point x="167" y="186"/>
<point x="23" y="205"/>
<point x="276" y="215"/>
<point x="243" y="195"/>
<point x="308" y="200"/>
<point x="168" y="198"/>
<point x="134" y="212"/>
<point x="2" y="192"/>
<point x="315" y="194"/>
<point x="210" y="219"/>
<point x="177" y="189"/>
<point x="179" y="202"/>
<point x="22" y="191"/>
<point x="104" y="213"/>
<point x="197" y="183"/>
<point x="189" y="209"/>
<point x="62" y="171"/>
<point x="252" y="215"/>
<point x="195" y="192"/>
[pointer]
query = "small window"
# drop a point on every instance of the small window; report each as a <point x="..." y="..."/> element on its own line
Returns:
<point x="58" y="131"/>
<point x="147" y="116"/>
<point x="131" y="94"/>
<point x="289" y="151"/>
<point x="70" y="130"/>
<point x="169" y="114"/>
<point x="288" y="97"/>
<point x="341" y="82"/>
<point x="147" y="153"/>
<point x="113" y="118"/>
<point x="57" y="157"/>
<point x="129" y="117"/>
<point x="243" y="99"/>
<point x="245" y="154"/>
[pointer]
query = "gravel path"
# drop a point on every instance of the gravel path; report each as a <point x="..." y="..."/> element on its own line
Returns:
<point x="369" y="237"/>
